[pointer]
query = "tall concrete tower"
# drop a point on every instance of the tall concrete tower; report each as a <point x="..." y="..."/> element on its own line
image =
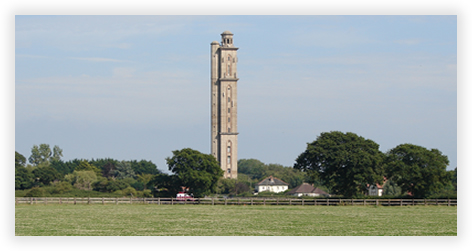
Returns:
<point x="224" y="105"/>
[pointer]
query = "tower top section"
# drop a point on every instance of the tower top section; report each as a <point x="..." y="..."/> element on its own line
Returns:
<point x="227" y="39"/>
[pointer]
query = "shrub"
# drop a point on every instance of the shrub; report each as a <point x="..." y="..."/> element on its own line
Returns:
<point x="62" y="187"/>
<point x="129" y="191"/>
<point x="36" y="192"/>
<point x="147" y="193"/>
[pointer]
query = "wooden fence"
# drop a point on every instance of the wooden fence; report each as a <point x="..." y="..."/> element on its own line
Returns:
<point x="240" y="201"/>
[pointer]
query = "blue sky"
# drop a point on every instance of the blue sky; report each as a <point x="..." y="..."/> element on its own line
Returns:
<point x="138" y="87"/>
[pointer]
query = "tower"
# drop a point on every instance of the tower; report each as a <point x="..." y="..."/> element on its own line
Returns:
<point x="224" y="86"/>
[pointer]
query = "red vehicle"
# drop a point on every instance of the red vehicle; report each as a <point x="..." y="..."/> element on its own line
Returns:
<point x="184" y="196"/>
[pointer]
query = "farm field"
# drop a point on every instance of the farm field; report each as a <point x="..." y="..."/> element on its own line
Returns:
<point x="207" y="220"/>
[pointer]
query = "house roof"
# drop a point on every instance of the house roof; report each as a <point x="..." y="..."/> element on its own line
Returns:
<point x="272" y="181"/>
<point x="306" y="188"/>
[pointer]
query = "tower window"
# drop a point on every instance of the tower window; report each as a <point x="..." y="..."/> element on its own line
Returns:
<point x="229" y="110"/>
<point x="229" y="149"/>
<point x="229" y="99"/>
<point x="229" y="159"/>
<point x="229" y="129"/>
<point x="229" y="170"/>
<point x="229" y="120"/>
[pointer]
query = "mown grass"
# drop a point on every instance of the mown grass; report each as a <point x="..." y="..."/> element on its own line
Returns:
<point x="207" y="220"/>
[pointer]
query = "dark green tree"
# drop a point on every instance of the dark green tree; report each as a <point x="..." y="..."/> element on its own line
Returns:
<point x="254" y="168"/>
<point x="164" y="185"/>
<point x="144" y="167"/>
<point x="345" y="162"/>
<point x="23" y="178"/>
<point x="62" y="167"/>
<point x="45" y="175"/>
<point x="197" y="171"/>
<point x="20" y="160"/>
<point x="417" y="170"/>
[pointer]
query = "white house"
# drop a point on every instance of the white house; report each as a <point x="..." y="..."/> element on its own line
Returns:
<point x="306" y="189"/>
<point x="271" y="184"/>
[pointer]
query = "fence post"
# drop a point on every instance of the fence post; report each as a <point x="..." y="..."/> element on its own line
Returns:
<point x="172" y="200"/>
<point x="314" y="204"/>
<point x="103" y="201"/>
<point x="425" y="202"/>
<point x="448" y="202"/>
<point x="376" y="202"/>
<point x="251" y="202"/>
<point x="45" y="200"/>
<point x="327" y="202"/>
<point x="158" y="200"/>
<point x="238" y="202"/>
<point x="303" y="202"/>
<point x="212" y="201"/>
<point x="401" y="202"/>
<point x="60" y="200"/>
<point x="277" y="201"/>
<point x="116" y="201"/>
<point x="364" y="202"/>
<point x="264" y="201"/>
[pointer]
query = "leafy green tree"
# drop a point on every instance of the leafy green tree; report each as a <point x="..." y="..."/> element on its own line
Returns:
<point x="23" y="178"/>
<point x="254" y="168"/>
<point x="124" y="170"/>
<point x="165" y="185"/>
<point x="195" y="170"/>
<point x="40" y="154"/>
<point x="84" y="179"/>
<point x="144" y="167"/>
<point x="86" y="166"/>
<point x="454" y="178"/>
<point x="20" y="160"/>
<point x="44" y="175"/>
<point x="57" y="153"/>
<point x="145" y="178"/>
<point x="44" y="155"/>
<point x="109" y="185"/>
<point x="346" y="162"/>
<point x="417" y="170"/>
<point x="391" y="188"/>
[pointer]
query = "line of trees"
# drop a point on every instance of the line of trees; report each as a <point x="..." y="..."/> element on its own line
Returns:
<point x="343" y="164"/>
<point x="47" y="174"/>
<point x="347" y="163"/>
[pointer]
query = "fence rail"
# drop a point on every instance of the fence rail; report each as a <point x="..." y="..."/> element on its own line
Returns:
<point x="239" y="201"/>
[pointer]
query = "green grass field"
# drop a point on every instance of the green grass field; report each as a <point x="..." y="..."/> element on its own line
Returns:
<point x="207" y="220"/>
